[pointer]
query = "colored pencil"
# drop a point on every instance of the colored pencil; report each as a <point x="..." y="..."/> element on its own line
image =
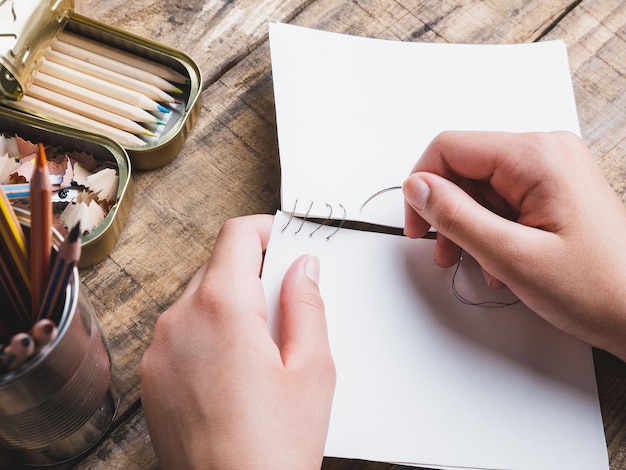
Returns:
<point x="18" y="294"/>
<point x="19" y="350"/>
<point x="160" y="70"/>
<point x="13" y="240"/>
<point x="112" y="64"/>
<point x="112" y="76"/>
<point x="107" y="103"/>
<point x="101" y="86"/>
<point x="14" y="263"/>
<point x="44" y="332"/>
<point x="18" y="191"/>
<point x="87" y="110"/>
<point x="34" y="106"/>
<point x="67" y="258"/>
<point x="40" y="228"/>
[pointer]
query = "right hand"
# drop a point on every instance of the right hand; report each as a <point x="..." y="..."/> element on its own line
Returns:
<point x="537" y="214"/>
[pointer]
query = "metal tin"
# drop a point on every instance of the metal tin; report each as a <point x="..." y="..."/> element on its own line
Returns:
<point x="27" y="28"/>
<point x="58" y="404"/>
<point x="96" y="245"/>
<point x="170" y="139"/>
<point x="179" y="126"/>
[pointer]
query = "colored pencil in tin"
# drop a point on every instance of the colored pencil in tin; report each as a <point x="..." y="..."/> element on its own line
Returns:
<point x="61" y="274"/>
<point x="14" y="263"/>
<point x="40" y="229"/>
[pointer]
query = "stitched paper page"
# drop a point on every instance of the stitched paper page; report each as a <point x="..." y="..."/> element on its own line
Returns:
<point x="424" y="379"/>
<point x="354" y="114"/>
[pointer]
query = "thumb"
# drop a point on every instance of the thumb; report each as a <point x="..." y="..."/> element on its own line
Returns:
<point x="303" y="324"/>
<point x="457" y="216"/>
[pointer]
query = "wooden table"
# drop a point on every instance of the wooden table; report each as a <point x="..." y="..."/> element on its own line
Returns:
<point x="229" y="165"/>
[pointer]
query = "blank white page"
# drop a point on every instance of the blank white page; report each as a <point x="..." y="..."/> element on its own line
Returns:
<point x="424" y="379"/>
<point x="354" y="114"/>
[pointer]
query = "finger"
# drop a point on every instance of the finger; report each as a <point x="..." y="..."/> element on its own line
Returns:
<point x="459" y="218"/>
<point x="494" y="157"/>
<point x="492" y="281"/>
<point x="303" y="324"/>
<point x="414" y="225"/>
<point x="240" y="245"/>
<point x="447" y="253"/>
<point x="238" y="250"/>
<point x="470" y="160"/>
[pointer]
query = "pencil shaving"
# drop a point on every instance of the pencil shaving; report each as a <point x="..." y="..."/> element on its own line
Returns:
<point x="8" y="165"/>
<point x="24" y="147"/>
<point x="86" y="160"/>
<point x="9" y="145"/>
<point x="103" y="183"/>
<point x="81" y="174"/>
<point x="86" y="212"/>
<point x="77" y="171"/>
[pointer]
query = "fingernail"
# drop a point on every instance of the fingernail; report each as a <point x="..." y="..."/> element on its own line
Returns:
<point x="416" y="191"/>
<point x="488" y="278"/>
<point x="312" y="268"/>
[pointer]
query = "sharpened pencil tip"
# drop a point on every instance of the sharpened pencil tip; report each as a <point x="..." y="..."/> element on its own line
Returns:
<point x="163" y="109"/>
<point x="41" y="156"/>
<point x="148" y="133"/>
<point x="160" y="123"/>
<point x="74" y="233"/>
<point x="177" y="90"/>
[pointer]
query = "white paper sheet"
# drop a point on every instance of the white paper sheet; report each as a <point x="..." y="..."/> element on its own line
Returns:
<point x="425" y="379"/>
<point x="354" y="114"/>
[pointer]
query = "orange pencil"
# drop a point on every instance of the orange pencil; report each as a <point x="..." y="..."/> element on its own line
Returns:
<point x="40" y="229"/>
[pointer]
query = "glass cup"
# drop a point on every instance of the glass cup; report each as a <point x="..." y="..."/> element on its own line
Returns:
<point x="59" y="403"/>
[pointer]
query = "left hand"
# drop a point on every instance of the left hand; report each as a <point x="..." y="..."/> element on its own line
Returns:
<point x="216" y="390"/>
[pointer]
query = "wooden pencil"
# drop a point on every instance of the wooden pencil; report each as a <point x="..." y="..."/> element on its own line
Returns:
<point x="112" y="64"/>
<point x="101" y="86"/>
<point x="40" y="228"/>
<point x="60" y="275"/>
<point x="13" y="237"/>
<point x="16" y="190"/>
<point x="18" y="295"/>
<point x="32" y="105"/>
<point x="19" y="350"/>
<point x="44" y="332"/>
<point x="111" y="76"/>
<point x="99" y="100"/>
<point x="14" y="246"/>
<point x="87" y="110"/>
<point x="14" y="265"/>
<point x="134" y="60"/>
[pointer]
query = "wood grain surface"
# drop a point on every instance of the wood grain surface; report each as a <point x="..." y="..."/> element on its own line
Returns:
<point x="229" y="164"/>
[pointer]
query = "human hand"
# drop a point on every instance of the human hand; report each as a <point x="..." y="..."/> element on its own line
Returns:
<point x="216" y="390"/>
<point x="537" y="214"/>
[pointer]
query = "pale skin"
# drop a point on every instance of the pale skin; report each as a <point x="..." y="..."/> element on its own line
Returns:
<point x="533" y="209"/>
<point x="216" y="390"/>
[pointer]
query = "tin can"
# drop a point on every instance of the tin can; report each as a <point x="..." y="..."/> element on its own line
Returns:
<point x="58" y="404"/>
<point x="100" y="242"/>
<point x="28" y="29"/>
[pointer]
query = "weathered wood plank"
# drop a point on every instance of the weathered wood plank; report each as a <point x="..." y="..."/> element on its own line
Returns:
<point x="216" y="34"/>
<point x="229" y="166"/>
<point x="596" y="39"/>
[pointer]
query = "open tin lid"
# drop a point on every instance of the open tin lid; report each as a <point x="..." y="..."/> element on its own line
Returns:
<point x="27" y="28"/>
